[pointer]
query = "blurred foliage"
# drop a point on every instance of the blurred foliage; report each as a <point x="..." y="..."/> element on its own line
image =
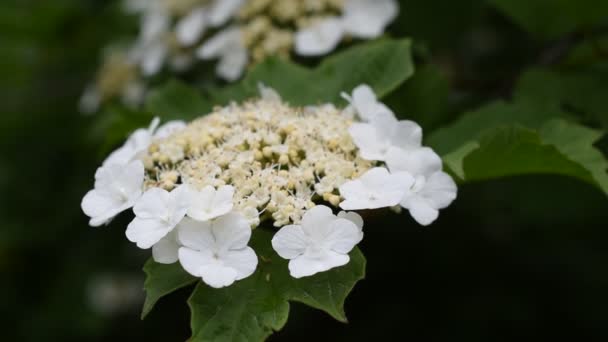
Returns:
<point x="514" y="258"/>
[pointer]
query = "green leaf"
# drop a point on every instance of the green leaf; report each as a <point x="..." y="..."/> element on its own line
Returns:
<point x="471" y="126"/>
<point x="553" y="18"/>
<point x="580" y="91"/>
<point x="162" y="280"/>
<point x="514" y="150"/>
<point x="253" y="308"/>
<point x="503" y="139"/>
<point x="383" y="65"/>
<point x="177" y="101"/>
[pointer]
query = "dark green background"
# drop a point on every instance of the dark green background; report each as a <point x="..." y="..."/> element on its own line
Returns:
<point x="524" y="257"/>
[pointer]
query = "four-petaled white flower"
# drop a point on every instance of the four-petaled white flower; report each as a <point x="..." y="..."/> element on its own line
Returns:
<point x="217" y="250"/>
<point x="229" y="47"/>
<point x="210" y="203"/>
<point x="117" y="188"/>
<point x="377" y="188"/>
<point x="383" y="133"/>
<point x="320" y="243"/>
<point x="364" y="19"/>
<point x="157" y="213"/>
<point x="432" y="189"/>
<point x="365" y="103"/>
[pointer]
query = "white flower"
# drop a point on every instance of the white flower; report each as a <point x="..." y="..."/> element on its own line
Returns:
<point x="117" y="188"/>
<point x="319" y="39"/>
<point x="229" y="47"/>
<point x="141" y="139"/>
<point x="367" y="19"/>
<point x="364" y="19"/>
<point x="165" y="250"/>
<point x="190" y="28"/>
<point x="222" y="10"/>
<point x="217" y="250"/>
<point x="377" y="188"/>
<point x="365" y="102"/>
<point x="320" y="243"/>
<point x="383" y="133"/>
<point x="157" y="213"/>
<point x="432" y="189"/>
<point x="209" y="203"/>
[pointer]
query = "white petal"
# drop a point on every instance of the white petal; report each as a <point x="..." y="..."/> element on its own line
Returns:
<point x="352" y="217"/>
<point x="320" y="38"/>
<point x="192" y="260"/>
<point x="154" y="204"/>
<point x="165" y="251"/>
<point x="132" y="179"/>
<point x="120" y="156"/>
<point x="216" y="46"/>
<point x="343" y="236"/>
<point x="365" y="102"/>
<point x="222" y="10"/>
<point x="377" y="188"/>
<point x="371" y="145"/>
<point x="290" y="242"/>
<point x="440" y="190"/>
<point x="406" y="135"/>
<point x="180" y="199"/>
<point x="304" y="266"/>
<point x="421" y="210"/>
<point x="316" y="222"/>
<point x="232" y="64"/>
<point x="154" y="59"/>
<point x="217" y="276"/>
<point x="421" y="161"/>
<point x="231" y="231"/>
<point x="268" y="93"/>
<point x="242" y="261"/>
<point x="169" y="129"/>
<point x="368" y="18"/>
<point x="195" y="235"/>
<point x="190" y="28"/>
<point x="147" y="232"/>
<point x="101" y="209"/>
<point x="209" y="203"/>
<point x="154" y="24"/>
<point x="222" y="202"/>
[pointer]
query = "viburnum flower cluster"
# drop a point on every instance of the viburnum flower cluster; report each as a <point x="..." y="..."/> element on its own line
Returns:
<point x="236" y="33"/>
<point x="197" y="190"/>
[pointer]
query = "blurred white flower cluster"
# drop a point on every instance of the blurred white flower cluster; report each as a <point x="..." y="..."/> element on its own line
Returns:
<point x="175" y="34"/>
<point x="198" y="190"/>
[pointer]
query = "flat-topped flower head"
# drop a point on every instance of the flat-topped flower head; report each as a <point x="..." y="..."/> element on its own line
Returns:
<point x="217" y="250"/>
<point x="207" y="184"/>
<point x="175" y="34"/>
<point x="117" y="188"/>
<point x="320" y="243"/>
